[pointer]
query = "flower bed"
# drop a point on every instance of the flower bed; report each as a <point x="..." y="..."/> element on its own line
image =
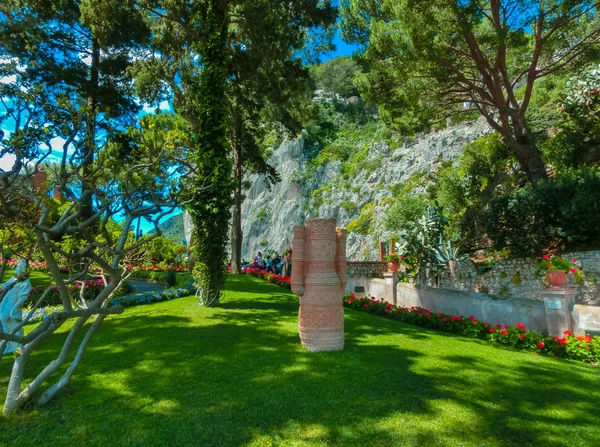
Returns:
<point x="280" y="280"/>
<point x="583" y="348"/>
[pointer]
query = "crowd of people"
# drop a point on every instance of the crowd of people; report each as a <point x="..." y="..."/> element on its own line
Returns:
<point x="274" y="265"/>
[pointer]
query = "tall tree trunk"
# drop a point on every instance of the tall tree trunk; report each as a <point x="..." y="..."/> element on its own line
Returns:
<point x="236" y="225"/>
<point x="212" y="211"/>
<point x="523" y="146"/>
<point x="90" y="129"/>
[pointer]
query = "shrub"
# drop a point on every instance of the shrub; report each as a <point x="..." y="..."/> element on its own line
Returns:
<point x="562" y="213"/>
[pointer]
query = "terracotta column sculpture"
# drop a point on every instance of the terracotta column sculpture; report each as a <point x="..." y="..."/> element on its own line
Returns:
<point x="319" y="279"/>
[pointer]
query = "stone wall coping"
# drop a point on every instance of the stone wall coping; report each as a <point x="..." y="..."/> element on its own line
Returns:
<point x="585" y="309"/>
<point x="367" y="262"/>
<point x="474" y="295"/>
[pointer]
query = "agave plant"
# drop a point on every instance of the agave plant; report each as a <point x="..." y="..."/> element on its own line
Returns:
<point x="446" y="251"/>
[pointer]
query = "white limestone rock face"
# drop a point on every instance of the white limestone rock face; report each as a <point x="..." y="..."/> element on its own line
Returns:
<point x="268" y="216"/>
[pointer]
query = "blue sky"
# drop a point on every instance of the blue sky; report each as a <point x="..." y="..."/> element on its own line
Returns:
<point x="342" y="48"/>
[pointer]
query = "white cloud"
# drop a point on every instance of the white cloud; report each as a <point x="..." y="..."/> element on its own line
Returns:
<point x="148" y="109"/>
<point x="7" y="162"/>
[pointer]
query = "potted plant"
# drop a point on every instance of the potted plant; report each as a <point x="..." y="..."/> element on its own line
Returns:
<point x="556" y="269"/>
<point x="394" y="260"/>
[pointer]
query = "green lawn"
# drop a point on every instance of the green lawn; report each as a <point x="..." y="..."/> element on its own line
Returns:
<point x="174" y="374"/>
<point x="36" y="278"/>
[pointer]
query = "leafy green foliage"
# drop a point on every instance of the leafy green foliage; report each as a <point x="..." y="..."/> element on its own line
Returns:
<point x="364" y="223"/>
<point x="336" y="76"/>
<point x="465" y="187"/>
<point x="561" y="214"/>
<point x="424" y="242"/>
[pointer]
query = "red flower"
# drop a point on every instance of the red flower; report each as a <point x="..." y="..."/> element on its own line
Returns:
<point x="549" y="265"/>
<point x="444" y="319"/>
<point x="573" y="271"/>
<point x="387" y="311"/>
<point x="475" y="321"/>
<point x="556" y="338"/>
<point x="366" y="304"/>
<point x="499" y="326"/>
<point x="546" y="257"/>
<point x="567" y="333"/>
<point x="563" y="341"/>
<point x="574" y="261"/>
<point x="504" y="332"/>
<point x="452" y="317"/>
<point x="521" y="336"/>
<point x="439" y="314"/>
<point x="486" y="324"/>
<point x="541" y="345"/>
<point x="492" y="330"/>
<point x="471" y="317"/>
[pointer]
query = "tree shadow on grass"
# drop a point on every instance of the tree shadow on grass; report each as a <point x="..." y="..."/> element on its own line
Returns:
<point x="237" y="374"/>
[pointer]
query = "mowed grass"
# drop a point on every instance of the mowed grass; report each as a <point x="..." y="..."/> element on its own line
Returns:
<point x="36" y="278"/>
<point x="175" y="374"/>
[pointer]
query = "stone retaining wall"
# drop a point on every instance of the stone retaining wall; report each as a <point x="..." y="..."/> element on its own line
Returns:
<point x="366" y="269"/>
<point x="523" y="279"/>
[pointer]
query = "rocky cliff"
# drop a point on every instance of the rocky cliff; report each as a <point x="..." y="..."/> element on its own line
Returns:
<point x="268" y="215"/>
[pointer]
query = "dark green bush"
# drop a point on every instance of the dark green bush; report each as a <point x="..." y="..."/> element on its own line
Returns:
<point x="562" y="214"/>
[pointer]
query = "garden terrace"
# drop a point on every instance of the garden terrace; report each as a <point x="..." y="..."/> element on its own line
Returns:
<point x="237" y="375"/>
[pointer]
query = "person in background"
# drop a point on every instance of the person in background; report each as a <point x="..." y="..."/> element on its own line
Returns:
<point x="258" y="260"/>
<point x="276" y="266"/>
<point x="269" y="264"/>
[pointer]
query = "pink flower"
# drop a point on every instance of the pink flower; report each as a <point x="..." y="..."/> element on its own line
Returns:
<point x="574" y="261"/>
<point x="492" y="330"/>
<point x="366" y="304"/>
<point x="499" y="326"/>
<point x="573" y="271"/>
<point x="444" y="319"/>
<point x="546" y="257"/>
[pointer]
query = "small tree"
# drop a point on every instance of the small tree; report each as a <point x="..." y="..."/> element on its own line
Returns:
<point x="138" y="175"/>
<point x="474" y="55"/>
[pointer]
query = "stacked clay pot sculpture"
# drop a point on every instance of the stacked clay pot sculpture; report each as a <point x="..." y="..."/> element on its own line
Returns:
<point x="319" y="279"/>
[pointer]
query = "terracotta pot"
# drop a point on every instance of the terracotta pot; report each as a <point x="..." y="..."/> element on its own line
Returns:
<point x="393" y="266"/>
<point x="556" y="278"/>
